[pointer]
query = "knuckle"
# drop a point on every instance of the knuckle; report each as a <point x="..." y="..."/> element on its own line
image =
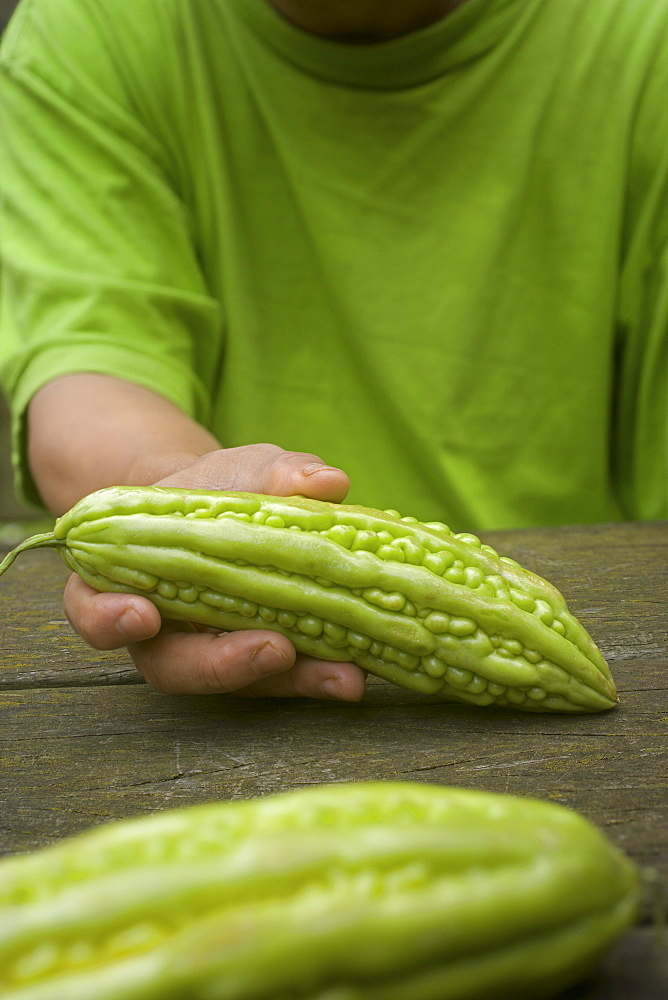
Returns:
<point x="299" y="457"/>
<point x="213" y="675"/>
<point x="223" y="663"/>
<point x="267" y="448"/>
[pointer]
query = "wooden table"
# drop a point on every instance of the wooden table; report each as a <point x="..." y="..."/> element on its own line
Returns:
<point x="84" y="740"/>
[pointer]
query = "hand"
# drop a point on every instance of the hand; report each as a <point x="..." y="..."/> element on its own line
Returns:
<point x="177" y="657"/>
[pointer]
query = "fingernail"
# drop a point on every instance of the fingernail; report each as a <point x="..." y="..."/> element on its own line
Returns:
<point x="130" y="624"/>
<point x="308" y="470"/>
<point x="331" y="688"/>
<point x="267" y="657"/>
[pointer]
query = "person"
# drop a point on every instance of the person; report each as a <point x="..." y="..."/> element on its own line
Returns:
<point x="413" y="254"/>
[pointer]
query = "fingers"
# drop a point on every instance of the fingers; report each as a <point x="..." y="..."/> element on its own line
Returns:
<point x="292" y="472"/>
<point x="176" y="658"/>
<point x="187" y="661"/>
<point x="108" y="621"/>
<point x="311" y="678"/>
<point x="255" y="664"/>
<point x="183" y="662"/>
<point x="263" y="468"/>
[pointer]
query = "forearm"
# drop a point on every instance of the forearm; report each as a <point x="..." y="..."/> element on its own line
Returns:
<point x="86" y="431"/>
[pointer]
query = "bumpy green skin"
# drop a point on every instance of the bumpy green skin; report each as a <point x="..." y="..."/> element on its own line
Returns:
<point x="414" y="603"/>
<point x="360" y="891"/>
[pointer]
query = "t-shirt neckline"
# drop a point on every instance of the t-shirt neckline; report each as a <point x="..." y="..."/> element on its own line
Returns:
<point x="460" y="36"/>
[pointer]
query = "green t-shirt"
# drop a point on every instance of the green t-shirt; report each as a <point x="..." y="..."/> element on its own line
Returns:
<point x="440" y="262"/>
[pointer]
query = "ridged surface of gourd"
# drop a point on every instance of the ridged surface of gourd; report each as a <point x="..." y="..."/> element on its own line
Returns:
<point x="360" y="891"/>
<point x="414" y="603"/>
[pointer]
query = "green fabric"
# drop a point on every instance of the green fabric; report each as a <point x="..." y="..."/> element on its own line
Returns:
<point x="440" y="262"/>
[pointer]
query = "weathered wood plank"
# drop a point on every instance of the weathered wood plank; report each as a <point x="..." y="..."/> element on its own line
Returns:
<point x="74" y="756"/>
<point x="71" y="758"/>
<point x="636" y="968"/>
<point x="37" y="645"/>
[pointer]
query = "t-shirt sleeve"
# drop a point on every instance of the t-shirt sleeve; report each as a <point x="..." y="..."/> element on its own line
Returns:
<point x="99" y="270"/>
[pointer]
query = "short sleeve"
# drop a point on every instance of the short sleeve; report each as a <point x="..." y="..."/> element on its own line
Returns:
<point x="99" y="268"/>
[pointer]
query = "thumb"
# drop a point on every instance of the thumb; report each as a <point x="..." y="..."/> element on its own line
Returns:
<point x="287" y="473"/>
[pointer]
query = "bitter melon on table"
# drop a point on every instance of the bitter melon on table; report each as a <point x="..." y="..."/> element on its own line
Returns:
<point x="358" y="891"/>
<point x="412" y="602"/>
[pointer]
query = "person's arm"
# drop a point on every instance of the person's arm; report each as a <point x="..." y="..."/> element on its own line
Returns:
<point x="86" y="431"/>
<point x="102" y="281"/>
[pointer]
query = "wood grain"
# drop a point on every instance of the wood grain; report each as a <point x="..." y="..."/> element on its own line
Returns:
<point x="37" y="646"/>
<point x="74" y="757"/>
<point x="84" y="741"/>
<point x="636" y="968"/>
